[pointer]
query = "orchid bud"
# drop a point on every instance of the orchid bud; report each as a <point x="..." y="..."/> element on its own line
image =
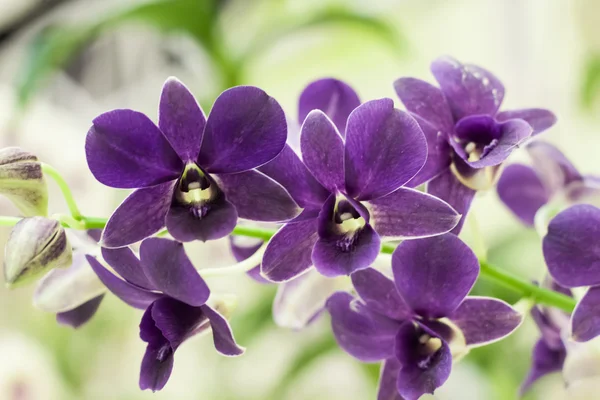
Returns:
<point x="22" y="181"/>
<point x="35" y="246"/>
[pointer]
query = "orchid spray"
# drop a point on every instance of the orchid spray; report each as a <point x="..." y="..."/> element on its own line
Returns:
<point x="321" y="206"/>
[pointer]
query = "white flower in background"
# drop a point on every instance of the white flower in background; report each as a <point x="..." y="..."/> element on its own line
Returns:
<point x="28" y="373"/>
<point x="581" y="370"/>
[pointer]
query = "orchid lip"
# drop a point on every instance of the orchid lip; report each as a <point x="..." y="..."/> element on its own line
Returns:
<point x="477" y="136"/>
<point x="347" y="218"/>
<point x="430" y="344"/>
<point x="346" y="223"/>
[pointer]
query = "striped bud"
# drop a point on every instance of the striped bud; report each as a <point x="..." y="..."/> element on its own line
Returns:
<point x="22" y="181"/>
<point x="35" y="246"/>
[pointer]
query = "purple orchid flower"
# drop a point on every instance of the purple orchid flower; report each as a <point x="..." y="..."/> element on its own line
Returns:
<point x="337" y="100"/>
<point x="549" y="352"/>
<point x="468" y="139"/>
<point x="352" y="194"/>
<point x="552" y="178"/>
<point x="192" y="174"/>
<point x="572" y="254"/>
<point x="416" y="322"/>
<point x="164" y="283"/>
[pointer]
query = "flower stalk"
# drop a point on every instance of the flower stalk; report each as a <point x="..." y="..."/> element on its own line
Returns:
<point x="64" y="188"/>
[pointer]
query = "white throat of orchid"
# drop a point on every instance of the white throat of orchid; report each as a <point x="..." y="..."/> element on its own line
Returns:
<point x="346" y="217"/>
<point x="195" y="186"/>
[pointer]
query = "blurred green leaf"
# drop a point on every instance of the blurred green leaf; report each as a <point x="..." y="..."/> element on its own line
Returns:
<point x="290" y="25"/>
<point x="372" y="371"/>
<point x="591" y="81"/>
<point x="257" y="319"/>
<point x="508" y="253"/>
<point x="305" y="359"/>
<point x="55" y="46"/>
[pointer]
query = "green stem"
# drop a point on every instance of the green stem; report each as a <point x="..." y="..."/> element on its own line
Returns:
<point x="488" y="272"/>
<point x="537" y="294"/>
<point x="64" y="188"/>
<point x="93" y="222"/>
<point x="253" y="232"/>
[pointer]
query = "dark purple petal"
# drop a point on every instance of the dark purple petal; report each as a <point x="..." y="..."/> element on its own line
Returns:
<point x="142" y="214"/>
<point x="522" y="191"/>
<point x="80" y="315"/>
<point x="586" y="317"/>
<point x="95" y="234"/>
<point x="292" y="174"/>
<point x="157" y="363"/>
<point x="209" y="221"/>
<point x="380" y="294"/>
<point x="170" y="270"/>
<point x="300" y="301"/>
<point x="538" y="118"/>
<point x="332" y="96"/>
<point x="127" y="265"/>
<point x="493" y="141"/>
<point x="124" y="149"/>
<point x="434" y="275"/>
<point x="545" y="360"/>
<point x="245" y="129"/>
<point x="425" y="360"/>
<point x="571" y="246"/>
<point x="387" y="387"/>
<point x="134" y="296"/>
<point x="177" y="321"/>
<point x="439" y="154"/>
<point x="149" y="333"/>
<point x="448" y="188"/>
<point x="555" y="170"/>
<point x="288" y="253"/>
<point x="426" y="101"/>
<point x="409" y="213"/>
<point x="385" y="148"/>
<point x="181" y="119"/>
<point x="346" y="253"/>
<point x="156" y="368"/>
<point x="362" y="333"/>
<point x="222" y="334"/>
<point x="469" y="89"/>
<point x="484" y="320"/>
<point x="323" y="150"/>
<point x="257" y="197"/>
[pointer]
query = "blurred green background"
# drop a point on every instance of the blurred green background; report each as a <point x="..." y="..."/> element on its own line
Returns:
<point x="64" y="62"/>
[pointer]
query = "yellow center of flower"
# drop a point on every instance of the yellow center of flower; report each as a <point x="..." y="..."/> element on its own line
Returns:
<point x="194" y="186"/>
<point x="431" y="344"/>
